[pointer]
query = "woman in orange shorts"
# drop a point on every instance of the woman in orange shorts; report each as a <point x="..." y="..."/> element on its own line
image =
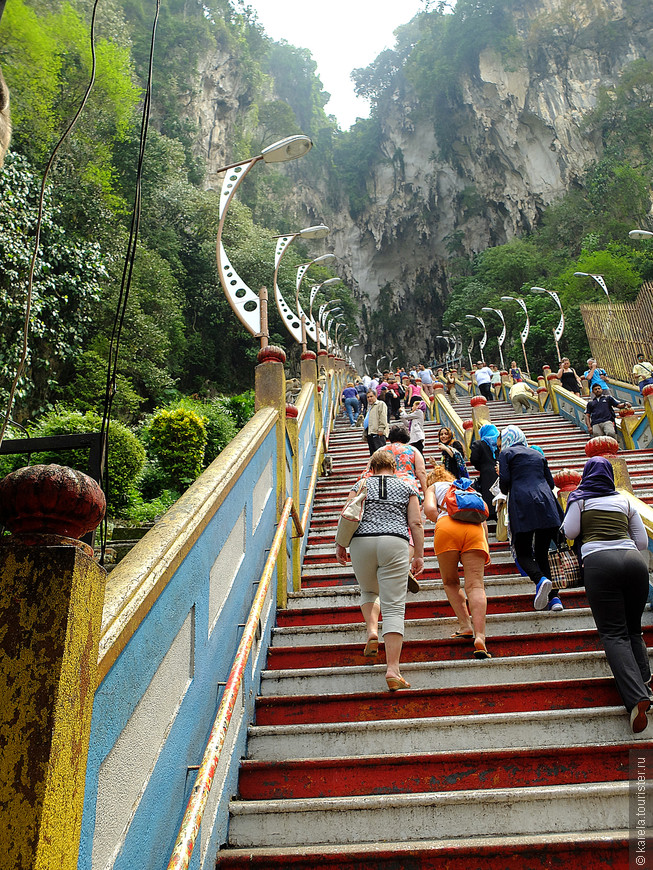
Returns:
<point x="455" y="542"/>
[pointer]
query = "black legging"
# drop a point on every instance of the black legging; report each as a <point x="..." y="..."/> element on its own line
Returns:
<point x="616" y="583"/>
<point x="532" y="552"/>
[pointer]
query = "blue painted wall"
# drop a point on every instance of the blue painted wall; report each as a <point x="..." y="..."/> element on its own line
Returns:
<point x="152" y="833"/>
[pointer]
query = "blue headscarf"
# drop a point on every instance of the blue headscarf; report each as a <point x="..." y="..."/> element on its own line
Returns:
<point x="512" y="435"/>
<point x="597" y="480"/>
<point x="489" y="433"/>
<point x="538" y="448"/>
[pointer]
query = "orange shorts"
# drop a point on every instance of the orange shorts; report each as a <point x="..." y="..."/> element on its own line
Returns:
<point x="451" y="534"/>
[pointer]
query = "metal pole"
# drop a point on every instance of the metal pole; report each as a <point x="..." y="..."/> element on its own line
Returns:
<point x="263" y="302"/>
<point x="523" y="347"/>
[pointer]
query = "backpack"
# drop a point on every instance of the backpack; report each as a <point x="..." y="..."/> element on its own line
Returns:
<point x="464" y="504"/>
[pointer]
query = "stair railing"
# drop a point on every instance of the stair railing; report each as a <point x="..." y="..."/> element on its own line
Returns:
<point x="190" y="825"/>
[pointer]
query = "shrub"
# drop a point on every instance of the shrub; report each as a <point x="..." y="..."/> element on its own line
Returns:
<point x="126" y="455"/>
<point x="218" y="421"/>
<point x="177" y="438"/>
<point x="241" y="407"/>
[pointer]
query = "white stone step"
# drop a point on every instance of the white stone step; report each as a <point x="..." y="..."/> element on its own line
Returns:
<point x="430" y="590"/>
<point x="440" y="628"/>
<point x="437" y="675"/>
<point x="582" y="807"/>
<point x="481" y="732"/>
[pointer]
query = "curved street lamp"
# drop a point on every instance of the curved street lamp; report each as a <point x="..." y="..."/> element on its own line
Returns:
<point x="292" y="320"/>
<point x="560" y="328"/>
<point x="470" y="348"/>
<point x="527" y="326"/>
<point x="599" y="279"/>
<point x="640" y="234"/>
<point x="483" y="341"/>
<point x="248" y="306"/>
<point x="501" y="338"/>
<point x="314" y="291"/>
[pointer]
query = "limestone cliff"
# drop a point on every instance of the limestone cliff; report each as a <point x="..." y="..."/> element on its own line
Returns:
<point x="516" y="138"/>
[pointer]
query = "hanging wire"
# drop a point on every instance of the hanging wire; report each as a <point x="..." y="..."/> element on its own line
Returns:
<point x="39" y="222"/>
<point x="125" y="285"/>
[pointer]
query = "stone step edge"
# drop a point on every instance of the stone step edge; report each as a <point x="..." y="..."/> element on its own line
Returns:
<point x="412" y="757"/>
<point x="409" y="667"/>
<point x="491" y="845"/>
<point x="493" y="719"/>
<point x="368" y="803"/>
<point x="491" y="618"/>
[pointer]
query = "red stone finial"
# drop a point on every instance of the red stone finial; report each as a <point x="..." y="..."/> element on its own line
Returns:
<point x="438" y="386"/>
<point x="477" y="400"/>
<point x="468" y="424"/>
<point x="626" y="412"/>
<point x="504" y="374"/>
<point x="602" y="445"/>
<point x="542" y="390"/>
<point x="552" y="378"/>
<point x="648" y="390"/>
<point x="50" y="500"/>
<point x="309" y="354"/>
<point x="291" y="411"/>
<point x="271" y="353"/>
<point x="567" y="479"/>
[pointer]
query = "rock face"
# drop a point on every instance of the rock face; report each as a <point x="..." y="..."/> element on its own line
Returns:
<point x="518" y="143"/>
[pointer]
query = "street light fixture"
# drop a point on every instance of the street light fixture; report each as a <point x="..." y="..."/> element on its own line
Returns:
<point x="640" y="234"/>
<point x="560" y="328"/>
<point x="250" y="307"/>
<point x="314" y="291"/>
<point x="293" y="321"/>
<point x="501" y="338"/>
<point x="470" y="347"/>
<point x="483" y="341"/>
<point x="527" y="326"/>
<point x="601" y="282"/>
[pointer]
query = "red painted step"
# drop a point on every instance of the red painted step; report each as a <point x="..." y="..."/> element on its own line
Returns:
<point x="442" y="771"/>
<point x="419" y="609"/>
<point x="594" y="853"/>
<point x="424" y="703"/>
<point x="351" y="654"/>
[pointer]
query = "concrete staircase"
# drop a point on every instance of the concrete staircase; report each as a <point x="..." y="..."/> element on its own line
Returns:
<point x="521" y="761"/>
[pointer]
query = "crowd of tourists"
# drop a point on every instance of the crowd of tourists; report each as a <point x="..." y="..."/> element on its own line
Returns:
<point x="387" y="548"/>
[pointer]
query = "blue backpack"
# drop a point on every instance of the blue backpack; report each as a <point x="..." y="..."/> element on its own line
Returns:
<point x="463" y="503"/>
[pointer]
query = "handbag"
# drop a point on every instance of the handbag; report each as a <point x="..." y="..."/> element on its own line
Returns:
<point x="566" y="571"/>
<point x="351" y="515"/>
<point x="502" y="528"/>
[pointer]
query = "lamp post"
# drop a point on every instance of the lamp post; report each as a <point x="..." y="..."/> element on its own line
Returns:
<point x="301" y="271"/>
<point x="293" y="321"/>
<point x="322" y="318"/>
<point x="501" y="338"/>
<point x="314" y="291"/>
<point x="250" y="307"/>
<point x="470" y="348"/>
<point x="640" y="234"/>
<point x="601" y="282"/>
<point x="527" y="326"/>
<point x="483" y="341"/>
<point x="560" y="328"/>
<point x="458" y="345"/>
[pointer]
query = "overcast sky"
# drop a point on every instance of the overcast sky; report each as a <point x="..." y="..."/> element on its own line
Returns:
<point x="342" y="35"/>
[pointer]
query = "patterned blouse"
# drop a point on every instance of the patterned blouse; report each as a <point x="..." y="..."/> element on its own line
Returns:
<point x="386" y="507"/>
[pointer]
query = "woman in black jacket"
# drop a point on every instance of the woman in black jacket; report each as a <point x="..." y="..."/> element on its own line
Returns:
<point x="484" y="457"/>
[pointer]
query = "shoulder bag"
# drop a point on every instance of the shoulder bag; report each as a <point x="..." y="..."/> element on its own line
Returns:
<point x="351" y="515"/>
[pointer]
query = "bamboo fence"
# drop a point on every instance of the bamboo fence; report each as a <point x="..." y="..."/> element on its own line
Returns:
<point x="618" y="331"/>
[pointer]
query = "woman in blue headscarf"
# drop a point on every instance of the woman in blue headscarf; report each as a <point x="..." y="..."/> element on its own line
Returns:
<point x="616" y="579"/>
<point x="484" y="456"/>
<point x="533" y="512"/>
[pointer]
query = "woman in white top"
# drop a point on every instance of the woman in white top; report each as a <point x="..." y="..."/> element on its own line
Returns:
<point x="380" y="558"/>
<point x="415" y="425"/>
<point x="616" y="579"/>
